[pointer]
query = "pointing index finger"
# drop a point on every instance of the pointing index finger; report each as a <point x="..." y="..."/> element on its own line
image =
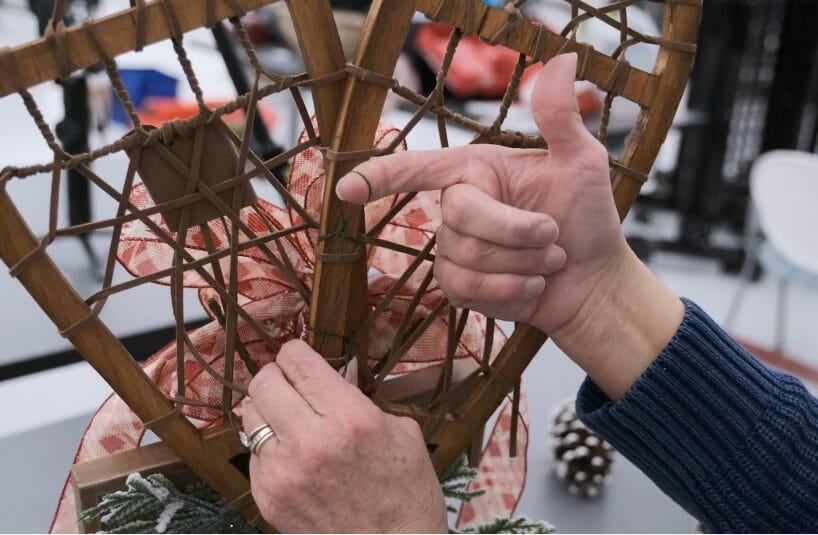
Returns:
<point x="405" y="172"/>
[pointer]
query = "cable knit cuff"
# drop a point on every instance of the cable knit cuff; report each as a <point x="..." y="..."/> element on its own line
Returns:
<point x="698" y="423"/>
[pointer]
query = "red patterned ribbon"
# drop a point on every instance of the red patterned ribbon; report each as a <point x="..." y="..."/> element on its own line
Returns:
<point x="271" y="299"/>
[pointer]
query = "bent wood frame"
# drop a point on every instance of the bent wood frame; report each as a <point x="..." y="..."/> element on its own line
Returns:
<point x="347" y="111"/>
<point x="658" y="93"/>
<point x="207" y="452"/>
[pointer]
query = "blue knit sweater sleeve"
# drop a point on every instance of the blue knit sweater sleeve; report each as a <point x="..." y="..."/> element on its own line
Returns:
<point x="731" y="441"/>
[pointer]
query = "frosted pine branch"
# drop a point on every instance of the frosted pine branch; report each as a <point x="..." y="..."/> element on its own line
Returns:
<point x="455" y="481"/>
<point x="512" y="525"/>
<point x="153" y="505"/>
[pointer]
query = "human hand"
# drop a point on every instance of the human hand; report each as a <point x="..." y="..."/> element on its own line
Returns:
<point x="527" y="235"/>
<point x="337" y="463"/>
<point x="534" y="236"/>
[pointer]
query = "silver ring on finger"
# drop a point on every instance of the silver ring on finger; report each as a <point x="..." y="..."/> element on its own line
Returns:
<point x="245" y="438"/>
<point x="258" y="440"/>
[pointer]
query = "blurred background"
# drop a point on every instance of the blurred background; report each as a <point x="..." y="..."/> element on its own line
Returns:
<point x="727" y="217"/>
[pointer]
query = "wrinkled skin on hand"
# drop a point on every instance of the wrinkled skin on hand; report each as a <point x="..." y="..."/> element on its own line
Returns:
<point x="337" y="463"/>
<point x="528" y="235"/>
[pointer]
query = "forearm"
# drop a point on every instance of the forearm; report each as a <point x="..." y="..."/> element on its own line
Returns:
<point x="623" y="325"/>
<point x="728" y="439"/>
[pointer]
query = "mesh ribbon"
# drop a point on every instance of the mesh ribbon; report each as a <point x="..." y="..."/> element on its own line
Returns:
<point x="269" y="296"/>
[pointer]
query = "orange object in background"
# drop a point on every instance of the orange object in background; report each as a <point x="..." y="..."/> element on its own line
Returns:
<point x="480" y="70"/>
<point x="477" y="70"/>
<point x="157" y="110"/>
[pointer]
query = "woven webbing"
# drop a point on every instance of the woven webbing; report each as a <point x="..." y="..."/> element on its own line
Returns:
<point x="240" y="232"/>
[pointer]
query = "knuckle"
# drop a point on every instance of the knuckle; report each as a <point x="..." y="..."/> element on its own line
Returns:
<point x="449" y="284"/>
<point x="441" y="273"/>
<point x="472" y="251"/>
<point x="294" y="359"/>
<point x="474" y="284"/>
<point x="463" y="156"/>
<point x="455" y="211"/>
<point x="411" y="427"/>
<point x="299" y="370"/>
<point x="254" y="388"/>
<point x="445" y="241"/>
<point x="292" y="350"/>
<point x="256" y="385"/>
<point x="359" y="427"/>
<point x="459" y="289"/>
<point x="523" y="226"/>
<point x="556" y="109"/>
<point x="509" y="224"/>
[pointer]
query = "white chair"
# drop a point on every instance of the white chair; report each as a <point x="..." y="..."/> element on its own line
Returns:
<point x="784" y="208"/>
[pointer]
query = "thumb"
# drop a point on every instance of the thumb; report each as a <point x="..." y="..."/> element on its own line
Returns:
<point x="555" y="108"/>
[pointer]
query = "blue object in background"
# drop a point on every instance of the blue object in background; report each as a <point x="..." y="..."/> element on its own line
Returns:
<point x="495" y="3"/>
<point x="141" y="83"/>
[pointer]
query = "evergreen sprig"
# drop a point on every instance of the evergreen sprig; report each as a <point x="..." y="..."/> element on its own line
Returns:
<point x="455" y="481"/>
<point x="153" y="505"/>
<point x="512" y="525"/>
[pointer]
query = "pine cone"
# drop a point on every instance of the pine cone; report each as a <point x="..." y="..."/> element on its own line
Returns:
<point x="581" y="458"/>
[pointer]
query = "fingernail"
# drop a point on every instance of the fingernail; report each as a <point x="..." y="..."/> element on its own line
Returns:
<point x="534" y="286"/>
<point x="554" y="259"/>
<point x="338" y="188"/>
<point x="546" y="233"/>
<point x="356" y="188"/>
